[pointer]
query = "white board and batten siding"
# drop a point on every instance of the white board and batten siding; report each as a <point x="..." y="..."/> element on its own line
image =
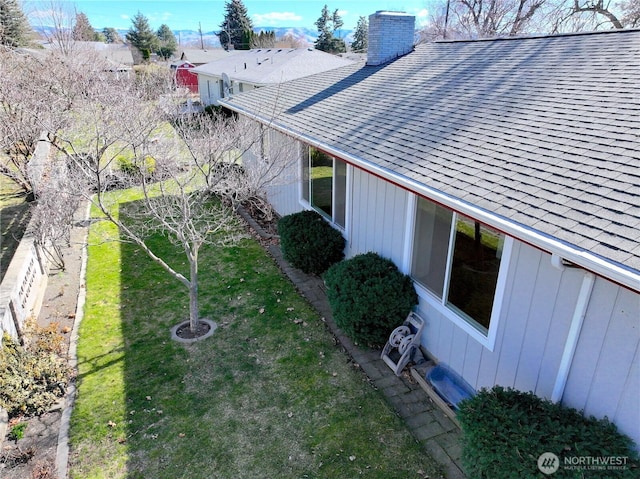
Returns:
<point x="378" y="217"/>
<point x="605" y="375"/>
<point x="537" y="308"/>
<point x="284" y="192"/>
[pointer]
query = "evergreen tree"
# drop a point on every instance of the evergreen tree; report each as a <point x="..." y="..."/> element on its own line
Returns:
<point x="236" y="28"/>
<point x="168" y="44"/>
<point x="141" y="36"/>
<point x="327" y="25"/>
<point x="264" y="40"/>
<point x="361" y="36"/>
<point x="15" y="30"/>
<point x="82" y="29"/>
<point x="111" y="35"/>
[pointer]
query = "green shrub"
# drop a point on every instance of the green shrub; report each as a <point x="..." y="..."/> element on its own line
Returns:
<point x="17" y="432"/>
<point x="309" y="243"/>
<point x="505" y="431"/>
<point x="369" y="297"/>
<point x="132" y="167"/>
<point x="31" y="379"/>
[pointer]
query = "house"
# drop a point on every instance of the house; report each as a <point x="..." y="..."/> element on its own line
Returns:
<point x="185" y="78"/>
<point x="249" y="69"/>
<point x="118" y="55"/>
<point x="199" y="57"/>
<point x="504" y="176"/>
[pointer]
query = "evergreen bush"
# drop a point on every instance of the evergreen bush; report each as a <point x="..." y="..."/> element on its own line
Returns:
<point x="369" y="297"/>
<point x="309" y="243"/>
<point x="505" y="432"/>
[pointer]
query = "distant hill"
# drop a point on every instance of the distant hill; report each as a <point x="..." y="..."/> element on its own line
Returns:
<point x="210" y="39"/>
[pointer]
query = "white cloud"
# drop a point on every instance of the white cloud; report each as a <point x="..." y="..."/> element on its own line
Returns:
<point x="125" y="17"/>
<point x="271" y="19"/>
<point x="422" y="16"/>
<point x="343" y="13"/>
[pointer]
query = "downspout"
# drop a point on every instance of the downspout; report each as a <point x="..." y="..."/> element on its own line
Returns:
<point x="571" y="343"/>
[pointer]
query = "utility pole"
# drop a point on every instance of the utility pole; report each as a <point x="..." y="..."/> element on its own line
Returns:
<point x="200" y="31"/>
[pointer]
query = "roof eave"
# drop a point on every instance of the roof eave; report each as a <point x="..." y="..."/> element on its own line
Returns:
<point x="596" y="264"/>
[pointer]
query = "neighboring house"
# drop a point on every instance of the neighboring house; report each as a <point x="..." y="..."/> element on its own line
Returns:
<point x="200" y="57"/>
<point x="249" y="69"/>
<point x="118" y="55"/>
<point x="503" y="176"/>
<point x="185" y="78"/>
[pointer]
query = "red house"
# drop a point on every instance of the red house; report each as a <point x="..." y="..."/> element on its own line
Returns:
<point x="185" y="78"/>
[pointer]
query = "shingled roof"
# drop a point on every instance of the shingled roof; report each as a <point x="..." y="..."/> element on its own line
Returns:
<point x="539" y="132"/>
<point x="266" y="66"/>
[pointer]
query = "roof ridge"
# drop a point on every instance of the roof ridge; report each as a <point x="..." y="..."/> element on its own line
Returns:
<point x="540" y="35"/>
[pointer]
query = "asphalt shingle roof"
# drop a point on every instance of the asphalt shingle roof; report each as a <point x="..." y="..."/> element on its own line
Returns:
<point x="544" y="132"/>
<point x="264" y="66"/>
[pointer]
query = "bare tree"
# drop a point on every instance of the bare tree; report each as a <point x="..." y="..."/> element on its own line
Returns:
<point x="495" y="18"/>
<point x="38" y="91"/>
<point x="53" y="213"/>
<point x="57" y="20"/>
<point x="631" y="13"/>
<point x="28" y="97"/>
<point x="19" y="131"/>
<point x="110" y="132"/>
<point x="491" y="18"/>
<point x="192" y="171"/>
<point x="192" y="181"/>
<point x="289" y="40"/>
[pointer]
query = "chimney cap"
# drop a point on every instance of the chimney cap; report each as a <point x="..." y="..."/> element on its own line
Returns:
<point x="392" y="12"/>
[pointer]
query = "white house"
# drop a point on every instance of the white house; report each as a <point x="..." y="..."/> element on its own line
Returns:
<point x="502" y="175"/>
<point x="245" y="70"/>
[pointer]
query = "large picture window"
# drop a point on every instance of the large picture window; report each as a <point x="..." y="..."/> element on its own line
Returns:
<point x="324" y="184"/>
<point x="458" y="260"/>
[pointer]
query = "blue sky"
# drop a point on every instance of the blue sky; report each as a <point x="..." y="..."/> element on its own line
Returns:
<point x="186" y="14"/>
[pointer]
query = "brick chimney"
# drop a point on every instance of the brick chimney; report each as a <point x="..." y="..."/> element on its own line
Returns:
<point x="391" y="35"/>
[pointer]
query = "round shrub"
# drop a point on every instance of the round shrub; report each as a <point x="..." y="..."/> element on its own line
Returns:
<point x="505" y="431"/>
<point x="309" y="243"/>
<point x="369" y="297"/>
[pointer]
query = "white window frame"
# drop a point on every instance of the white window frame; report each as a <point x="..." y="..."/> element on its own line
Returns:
<point x="347" y="194"/>
<point x="487" y="340"/>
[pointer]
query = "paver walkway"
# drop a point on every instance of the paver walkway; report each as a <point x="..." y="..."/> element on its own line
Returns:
<point x="437" y="433"/>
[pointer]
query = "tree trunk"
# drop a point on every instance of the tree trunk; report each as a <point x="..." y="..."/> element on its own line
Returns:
<point x="194" y="310"/>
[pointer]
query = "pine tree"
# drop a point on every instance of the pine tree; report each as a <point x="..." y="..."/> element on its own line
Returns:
<point x="15" y="30"/>
<point x="361" y="36"/>
<point x="168" y="44"/>
<point x="111" y="35"/>
<point x="142" y="37"/>
<point x="327" y="25"/>
<point x="236" y="28"/>
<point x="82" y="29"/>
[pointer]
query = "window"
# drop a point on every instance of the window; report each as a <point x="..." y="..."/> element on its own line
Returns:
<point x="457" y="259"/>
<point x="324" y="184"/>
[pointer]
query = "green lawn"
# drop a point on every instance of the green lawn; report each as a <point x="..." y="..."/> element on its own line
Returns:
<point x="269" y="395"/>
